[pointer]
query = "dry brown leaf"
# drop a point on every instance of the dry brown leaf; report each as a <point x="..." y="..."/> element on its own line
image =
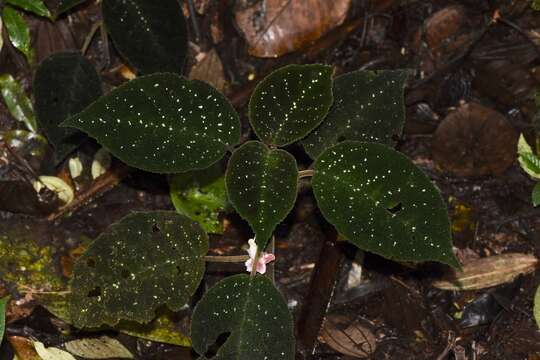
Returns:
<point x="473" y="141"/>
<point x="276" y="27"/>
<point x="490" y="271"/>
<point x="209" y="69"/>
<point x="348" y="337"/>
<point x="23" y="348"/>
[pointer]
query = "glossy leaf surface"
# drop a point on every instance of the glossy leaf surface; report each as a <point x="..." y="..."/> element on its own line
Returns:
<point x="383" y="203"/>
<point x="253" y="312"/>
<point x="64" y="84"/>
<point x="201" y="195"/>
<point x="151" y="36"/>
<point x="162" y="123"/>
<point x="138" y="264"/>
<point x="290" y="102"/>
<point x="262" y="186"/>
<point x="368" y="106"/>
<point x="34" y="6"/>
<point x="18" y="32"/>
<point x="18" y="104"/>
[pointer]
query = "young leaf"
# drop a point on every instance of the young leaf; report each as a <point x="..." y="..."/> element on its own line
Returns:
<point x="382" y="203"/>
<point x="18" y="104"/>
<point x="262" y="186"/>
<point x="254" y="313"/>
<point x="528" y="161"/>
<point x="34" y="6"/>
<point x="64" y="84"/>
<point x="290" y="102"/>
<point x="152" y="37"/>
<point x="3" y="305"/>
<point x="368" y="106"/>
<point x="162" y="123"/>
<point x="18" y="32"/>
<point x="201" y="196"/>
<point x="536" y="194"/>
<point x="65" y="5"/>
<point x="143" y="261"/>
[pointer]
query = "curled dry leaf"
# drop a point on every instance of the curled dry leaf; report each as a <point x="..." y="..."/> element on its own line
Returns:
<point x="473" y="141"/>
<point x="348" y="336"/>
<point x="276" y="27"/>
<point x="59" y="186"/>
<point x="488" y="272"/>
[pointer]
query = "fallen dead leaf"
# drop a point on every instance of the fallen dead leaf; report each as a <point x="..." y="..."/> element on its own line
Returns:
<point x="348" y="336"/>
<point x="23" y="348"/>
<point x="489" y="271"/>
<point x="209" y="69"/>
<point x="276" y="27"/>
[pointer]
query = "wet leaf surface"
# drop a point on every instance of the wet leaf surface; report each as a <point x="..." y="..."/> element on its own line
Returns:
<point x="151" y="258"/>
<point x="254" y="314"/>
<point x="474" y="140"/>
<point x="167" y="124"/>
<point x="262" y="186"/>
<point x="368" y="106"/>
<point x="18" y="32"/>
<point x="34" y="6"/>
<point x="64" y="84"/>
<point x="19" y="105"/>
<point x="385" y="205"/>
<point x="276" y="27"/>
<point x="290" y="102"/>
<point x="152" y="38"/>
<point x="201" y="196"/>
<point x="489" y="271"/>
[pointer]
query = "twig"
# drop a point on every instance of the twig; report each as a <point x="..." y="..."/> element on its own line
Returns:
<point x="450" y="346"/>
<point x="192" y="15"/>
<point x="90" y="36"/>
<point x="305" y="173"/>
<point x="226" y="259"/>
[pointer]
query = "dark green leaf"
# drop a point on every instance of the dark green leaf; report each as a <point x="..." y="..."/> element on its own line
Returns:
<point x="3" y="305"/>
<point x="290" y="102"/>
<point x="536" y="194"/>
<point x="162" y="123"/>
<point x="151" y="36"/>
<point x="64" y="84"/>
<point x="253" y="312"/>
<point x="201" y="196"/>
<point x="34" y="6"/>
<point x="138" y="264"/>
<point x="18" y="104"/>
<point x="262" y="186"/>
<point x="382" y="203"/>
<point x="65" y="5"/>
<point x="368" y="106"/>
<point x="18" y="32"/>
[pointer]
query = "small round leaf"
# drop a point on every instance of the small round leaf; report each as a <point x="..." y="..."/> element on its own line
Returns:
<point x="368" y="106"/>
<point x="255" y="314"/>
<point x="64" y="84"/>
<point x="162" y="123"/>
<point x="383" y="203"/>
<point x="138" y="264"/>
<point x="290" y="102"/>
<point x="262" y="186"/>
<point x="151" y="35"/>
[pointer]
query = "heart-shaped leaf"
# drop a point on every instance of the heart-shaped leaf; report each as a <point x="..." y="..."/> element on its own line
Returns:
<point x="201" y="196"/>
<point x="383" y="203"/>
<point x="262" y="186"/>
<point x="368" y="106"/>
<point x="138" y="264"/>
<point x="255" y="314"/>
<point x="162" y="123"/>
<point x="151" y="36"/>
<point x="64" y="84"/>
<point x="290" y="102"/>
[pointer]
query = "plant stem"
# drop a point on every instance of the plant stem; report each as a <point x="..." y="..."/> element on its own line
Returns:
<point x="226" y="259"/>
<point x="305" y="173"/>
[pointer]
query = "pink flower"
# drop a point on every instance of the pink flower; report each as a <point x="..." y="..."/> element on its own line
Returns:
<point x="264" y="259"/>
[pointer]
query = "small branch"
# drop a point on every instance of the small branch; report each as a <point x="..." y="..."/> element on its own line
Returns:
<point x="226" y="259"/>
<point x="90" y="36"/>
<point x="305" y="173"/>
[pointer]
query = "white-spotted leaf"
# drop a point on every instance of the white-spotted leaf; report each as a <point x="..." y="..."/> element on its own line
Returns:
<point x="383" y="203"/>
<point x="64" y="84"/>
<point x="138" y="264"/>
<point x="290" y="102"/>
<point x="255" y="314"/>
<point x="368" y="106"/>
<point x="162" y="123"/>
<point x="262" y="186"/>
<point x="151" y="35"/>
